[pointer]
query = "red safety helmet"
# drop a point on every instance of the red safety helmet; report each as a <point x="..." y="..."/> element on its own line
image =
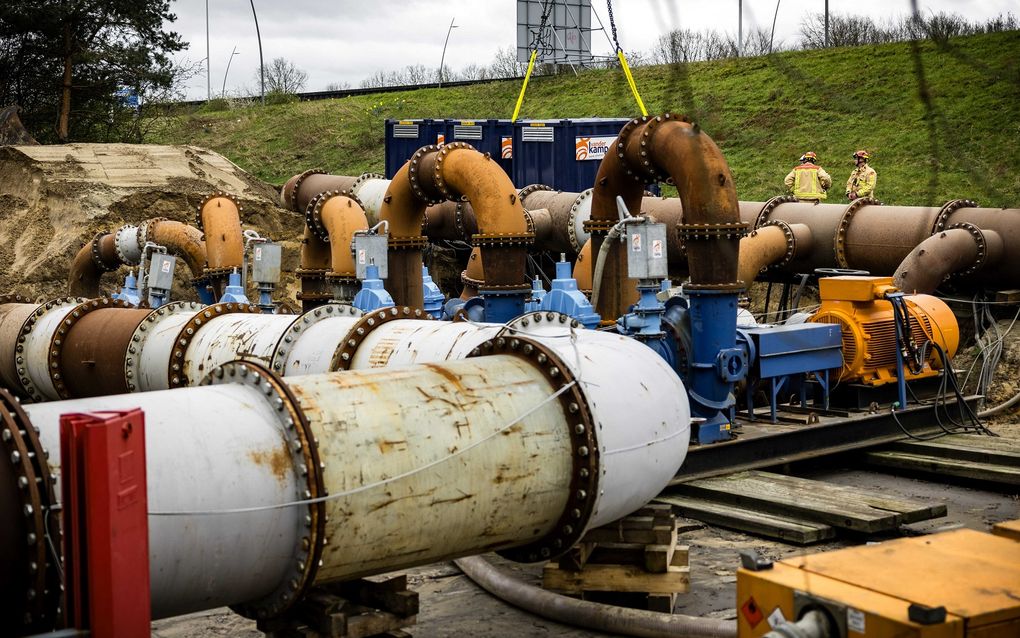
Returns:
<point x="809" y="157"/>
<point x="862" y="154"/>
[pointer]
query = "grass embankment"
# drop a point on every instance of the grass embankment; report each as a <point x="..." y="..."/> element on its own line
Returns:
<point x="963" y="141"/>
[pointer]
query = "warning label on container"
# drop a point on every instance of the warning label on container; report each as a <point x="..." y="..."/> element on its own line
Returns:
<point x="592" y="148"/>
<point x="440" y="139"/>
<point x="506" y="147"/>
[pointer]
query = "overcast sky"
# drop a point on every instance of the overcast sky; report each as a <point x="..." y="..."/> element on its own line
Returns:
<point x="347" y="41"/>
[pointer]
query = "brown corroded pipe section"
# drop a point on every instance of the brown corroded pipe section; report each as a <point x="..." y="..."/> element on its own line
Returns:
<point x="583" y="268"/>
<point x="404" y="212"/>
<point x="12" y="318"/>
<point x="946" y="253"/>
<point x="341" y="217"/>
<point x="302" y="189"/>
<point x="451" y="221"/>
<point x="181" y="240"/>
<point x="316" y="261"/>
<point x="85" y="273"/>
<point x="648" y="149"/>
<point x="771" y="245"/>
<point x="473" y="275"/>
<point x="94" y="350"/>
<point x="224" y="242"/>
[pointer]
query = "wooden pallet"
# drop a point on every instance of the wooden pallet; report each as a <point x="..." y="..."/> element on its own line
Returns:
<point x="968" y="456"/>
<point x="635" y="561"/>
<point x="377" y="606"/>
<point x="794" y="509"/>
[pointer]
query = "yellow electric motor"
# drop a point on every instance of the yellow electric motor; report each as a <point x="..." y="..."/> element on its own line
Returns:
<point x="858" y="305"/>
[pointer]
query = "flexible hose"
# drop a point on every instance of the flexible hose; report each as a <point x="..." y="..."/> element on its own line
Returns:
<point x="600" y="261"/>
<point x="1002" y="407"/>
<point x="581" y="613"/>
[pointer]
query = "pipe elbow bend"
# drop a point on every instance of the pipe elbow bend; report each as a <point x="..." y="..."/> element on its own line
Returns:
<point x="962" y="249"/>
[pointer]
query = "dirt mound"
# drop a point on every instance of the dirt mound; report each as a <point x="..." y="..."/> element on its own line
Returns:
<point x="53" y="199"/>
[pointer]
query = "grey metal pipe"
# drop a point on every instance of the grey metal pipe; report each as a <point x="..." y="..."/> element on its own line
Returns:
<point x="607" y="618"/>
<point x="260" y="488"/>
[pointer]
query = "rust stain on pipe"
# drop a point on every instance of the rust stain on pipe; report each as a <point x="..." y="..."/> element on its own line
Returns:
<point x="454" y="221"/>
<point x="95" y="258"/>
<point x="301" y="189"/>
<point x="220" y="219"/>
<point x="341" y="216"/>
<point x="94" y="350"/>
<point x="775" y="243"/>
<point x="583" y="268"/>
<point x="12" y="317"/>
<point x="650" y="149"/>
<point x="315" y="263"/>
<point x="945" y="253"/>
<point x="179" y="239"/>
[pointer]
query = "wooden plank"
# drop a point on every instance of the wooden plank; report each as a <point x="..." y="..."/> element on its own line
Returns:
<point x="964" y="447"/>
<point x="1000" y="474"/>
<point x="655" y="536"/>
<point x="838" y="506"/>
<point x="1007" y="296"/>
<point x="618" y="578"/>
<point x="782" y="528"/>
<point x="1007" y="529"/>
<point x="654" y="558"/>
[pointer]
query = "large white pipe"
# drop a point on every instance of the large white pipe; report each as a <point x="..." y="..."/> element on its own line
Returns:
<point x="522" y="449"/>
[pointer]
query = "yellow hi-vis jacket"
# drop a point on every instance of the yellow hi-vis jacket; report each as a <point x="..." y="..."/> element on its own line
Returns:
<point x="808" y="181"/>
<point x="862" y="181"/>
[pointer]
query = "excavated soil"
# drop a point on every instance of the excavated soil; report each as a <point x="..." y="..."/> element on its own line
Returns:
<point x="54" y="199"/>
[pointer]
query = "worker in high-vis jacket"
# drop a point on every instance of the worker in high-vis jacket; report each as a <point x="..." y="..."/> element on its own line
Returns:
<point x="809" y="181"/>
<point x="863" y="178"/>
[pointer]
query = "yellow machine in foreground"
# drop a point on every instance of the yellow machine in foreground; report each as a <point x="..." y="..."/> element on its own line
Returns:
<point x="963" y="584"/>
<point x="858" y="305"/>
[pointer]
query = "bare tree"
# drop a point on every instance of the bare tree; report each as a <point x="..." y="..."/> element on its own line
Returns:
<point x="338" y="86"/>
<point x="474" y="72"/>
<point x="374" y="81"/>
<point x="282" y="76"/>
<point x="505" y="65"/>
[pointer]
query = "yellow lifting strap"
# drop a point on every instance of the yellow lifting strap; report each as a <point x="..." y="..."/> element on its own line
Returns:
<point x="524" y="87"/>
<point x="630" y="81"/>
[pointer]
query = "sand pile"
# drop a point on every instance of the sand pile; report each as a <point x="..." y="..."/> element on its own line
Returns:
<point x="54" y="199"/>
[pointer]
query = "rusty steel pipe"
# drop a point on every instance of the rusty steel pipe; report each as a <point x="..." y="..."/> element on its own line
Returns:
<point x="12" y="322"/>
<point x="956" y="250"/>
<point x="403" y="210"/>
<point x="512" y="471"/>
<point x="341" y="217"/>
<point x="95" y="258"/>
<point x="648" y="149"/>
<point x="179" y="239"/>
<point x="301" y="189"/>
<point x="775" y="244"/>
<point x="451" y="221"/>
<point x="219" y="218"/>
<point x="316" y="260"/>
<point x="93" y="354"/>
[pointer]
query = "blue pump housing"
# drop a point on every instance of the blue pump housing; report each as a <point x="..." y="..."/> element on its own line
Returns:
<point x="564" y="297"/>
<point x="372" y="295"/>
<point x="433" y="295"/>
<point x="129" y="292"/>
<point x="537" y="293"/>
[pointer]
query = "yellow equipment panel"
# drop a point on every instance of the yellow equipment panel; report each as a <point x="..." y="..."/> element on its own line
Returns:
<point x="868" y="590"/>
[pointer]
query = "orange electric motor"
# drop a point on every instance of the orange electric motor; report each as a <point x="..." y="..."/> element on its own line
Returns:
<point x="858" y="306"/>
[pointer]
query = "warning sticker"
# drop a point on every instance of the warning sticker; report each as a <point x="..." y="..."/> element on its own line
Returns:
<point x="361" y="255"/>
<point x="506" y="147"/>
<point x="855" y="620"/>
<point x="258" y="253"/>
<point x="776" y="618"/>
<point x="166" y="266"/>
<point x="635" y="242"/>
<point x="440" y="139"/>
<point x="592" y="148"/>
<point x="656" y="249"/>
<point x="752" y="612"/>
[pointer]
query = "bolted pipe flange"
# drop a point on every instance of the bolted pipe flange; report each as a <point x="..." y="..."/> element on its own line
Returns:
<point x="176" y="376"/>
<point x="523" y="193"/>
<point x="313" y="212"/>
<point x="701" y="232"/>
<point x="598" y="226"/>
<point x="942" y="219"/>
<point x="59" y="338"/>
<point x="121" y="242"/>
<point x="771" y="205"/>
<point x="414" y="175"/>
<point x="982" y="249"/>
<point x="519" y="326"/>
<point x="292" y="203"/>
<point x="39" y="556"/>
<point x="407" y="243"/>
<point x="344" y="353"/>
<point x="791" y="243"/>
<point x="209" y="198"/>
<point x="302" y="323"/>
<point x="132" y="362"/>
<point x="647" y="170"/>
<point x="28" y="387"/>
<point x="144" y="227"/>
<point x="437" y="175"/>
<point x="13" y="298"/>
<point x="572" y="226"/>
<point x="304" y="453"/>
<point x="361" y="179"/>
<point x="843" y="227"/>
<point x="97" y="260"/>
<point x="584" y="475"/>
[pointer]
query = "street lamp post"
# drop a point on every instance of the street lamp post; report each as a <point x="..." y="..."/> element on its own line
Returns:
<point x="262" y="66"/>
<point x="442" y="60"/>
<point x="208" y="70"/>
<point x="223" y="90"/>
<point x="740" y="28"/>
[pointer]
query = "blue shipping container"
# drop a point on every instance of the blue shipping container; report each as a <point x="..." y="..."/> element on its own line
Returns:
<point x="404" y="137"/>
<point x="494" y="137"/>
<point x="563" y="154"/>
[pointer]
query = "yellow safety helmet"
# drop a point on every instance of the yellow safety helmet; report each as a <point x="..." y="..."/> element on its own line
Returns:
<point x="809" y="157"/>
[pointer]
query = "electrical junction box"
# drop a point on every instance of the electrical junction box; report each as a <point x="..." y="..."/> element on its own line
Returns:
<point x="960" y="584"/>
<point x="265" y="262"/>
<point x="161" y="271"/>
<point x="646" y="251"/>
<point x="370" y="249"/>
